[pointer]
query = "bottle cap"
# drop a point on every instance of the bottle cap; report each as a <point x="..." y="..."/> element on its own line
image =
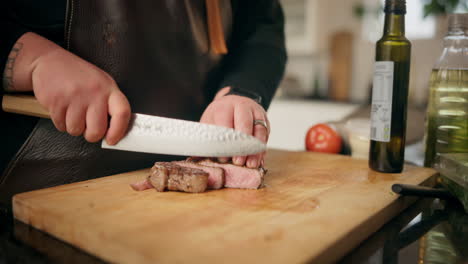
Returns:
<point x="458" y="22"/>
<point x="395" y="6"/>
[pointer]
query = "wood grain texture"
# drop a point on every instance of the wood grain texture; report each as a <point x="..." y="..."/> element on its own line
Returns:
<point x="23" y="104"/>
<point x="315" y="207"/>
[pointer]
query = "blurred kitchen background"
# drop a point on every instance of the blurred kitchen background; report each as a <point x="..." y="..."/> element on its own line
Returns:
<point x="331" y="47"/>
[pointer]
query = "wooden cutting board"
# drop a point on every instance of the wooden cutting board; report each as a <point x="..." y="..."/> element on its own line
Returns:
<point x="315" y="207"/>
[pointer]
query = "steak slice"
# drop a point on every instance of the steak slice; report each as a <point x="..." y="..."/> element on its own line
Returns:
<point x="197" y="175"/>
<point x="142" y="185"/>
<point x="238" y="176"/>
<point x="215" y="175"/>
<point x="167" y="175"/>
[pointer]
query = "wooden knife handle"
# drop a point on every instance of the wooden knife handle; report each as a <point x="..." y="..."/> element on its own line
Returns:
<point x="23" y="104"/>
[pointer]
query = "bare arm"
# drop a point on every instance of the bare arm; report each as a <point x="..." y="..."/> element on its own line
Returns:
<point x="21" y="60"/>
<point x="78" y="95"/>
<point x="9" y="67"/>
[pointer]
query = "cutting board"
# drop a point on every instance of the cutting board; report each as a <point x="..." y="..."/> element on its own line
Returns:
<point x="314" y="208"/>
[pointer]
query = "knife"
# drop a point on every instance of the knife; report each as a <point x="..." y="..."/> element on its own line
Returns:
<point x="161" y="135"/>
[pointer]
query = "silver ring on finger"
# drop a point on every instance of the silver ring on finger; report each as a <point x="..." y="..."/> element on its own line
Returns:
<point x="262" y="123"/>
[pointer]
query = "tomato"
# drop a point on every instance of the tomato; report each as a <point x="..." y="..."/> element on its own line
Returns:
<point x="323" y="138"/>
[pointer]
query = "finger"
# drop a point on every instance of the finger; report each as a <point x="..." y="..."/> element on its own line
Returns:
<point x="224" y="117"/>
<point x="243" y="121"/>
<point x="58" y="117"/>
<point x="268" y="125"/>
<point x="262" y="161"/>
<point x="96" y="121"/>
<point x="259" y="160"/>
<point x="75" y="119"/>
<point x="207" y="117"/>
<point x="260" y="132"/>
<point x="119" y="110"/>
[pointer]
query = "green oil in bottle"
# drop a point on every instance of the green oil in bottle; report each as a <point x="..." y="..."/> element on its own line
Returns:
<point x="447" y="114"/>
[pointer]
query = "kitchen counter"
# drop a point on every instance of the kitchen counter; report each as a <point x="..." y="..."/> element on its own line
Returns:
<point x="290" y="120"/>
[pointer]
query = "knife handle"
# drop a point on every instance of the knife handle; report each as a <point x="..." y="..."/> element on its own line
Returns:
<point x="24" y="104"/>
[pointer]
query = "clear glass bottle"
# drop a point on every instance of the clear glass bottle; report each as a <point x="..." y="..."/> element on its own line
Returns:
<point x="447" y="112"/>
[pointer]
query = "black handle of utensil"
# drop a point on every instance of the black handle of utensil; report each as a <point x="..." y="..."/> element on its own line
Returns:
<point x="417" y="230"/>
<point x="415" y="190"/>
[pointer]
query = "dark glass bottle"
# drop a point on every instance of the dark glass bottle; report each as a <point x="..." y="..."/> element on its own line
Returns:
<point x="390" y="92"/>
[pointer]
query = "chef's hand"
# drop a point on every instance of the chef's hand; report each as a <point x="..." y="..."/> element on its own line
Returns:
<point x="238" y="112"/>
<point x="78" y="95"/>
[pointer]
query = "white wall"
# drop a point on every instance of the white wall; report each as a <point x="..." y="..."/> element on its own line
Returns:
<point x="331" y="16"/>
<point x="337" y="15"/>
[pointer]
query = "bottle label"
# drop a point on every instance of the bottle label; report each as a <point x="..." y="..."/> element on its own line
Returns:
<point x="382" y="93"/>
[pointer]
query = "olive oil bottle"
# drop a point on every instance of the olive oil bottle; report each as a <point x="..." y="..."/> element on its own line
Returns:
<point x="447" y="111"/>
<point x="390" y="92"/>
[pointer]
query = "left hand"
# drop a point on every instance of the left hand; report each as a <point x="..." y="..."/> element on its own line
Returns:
<point x="238" y="112"/>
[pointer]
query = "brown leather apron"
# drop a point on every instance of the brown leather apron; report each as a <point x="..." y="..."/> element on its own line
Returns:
<point x="159" y="54"/>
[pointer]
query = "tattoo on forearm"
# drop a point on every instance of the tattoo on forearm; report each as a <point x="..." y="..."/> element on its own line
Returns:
<point x="9" y="67"/>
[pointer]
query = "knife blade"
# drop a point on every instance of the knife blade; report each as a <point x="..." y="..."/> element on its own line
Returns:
<point x="161" y="135"/>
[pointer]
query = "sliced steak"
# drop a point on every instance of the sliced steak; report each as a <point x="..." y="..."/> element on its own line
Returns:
<point x="238" y="176"/>
<point x="215" y="175"/>
<point x="177" y="178"/>
<point x="141" y="186"/>
<point x="198" y="175"/>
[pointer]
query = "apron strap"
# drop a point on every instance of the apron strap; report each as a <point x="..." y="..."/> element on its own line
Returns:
<point x="215" y="28"/>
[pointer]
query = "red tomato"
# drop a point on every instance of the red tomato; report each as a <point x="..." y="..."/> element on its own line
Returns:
<point x="323" y="138"/>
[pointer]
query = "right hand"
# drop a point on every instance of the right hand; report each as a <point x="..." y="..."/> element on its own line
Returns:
<point x="79" y="97"/>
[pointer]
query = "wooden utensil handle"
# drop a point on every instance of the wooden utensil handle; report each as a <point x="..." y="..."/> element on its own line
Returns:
<point x="24" y="104"/>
